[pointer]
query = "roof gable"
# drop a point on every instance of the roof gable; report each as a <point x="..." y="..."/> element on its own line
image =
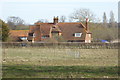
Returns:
<point x="43" y="28"/>
<point x="69" y="29"/>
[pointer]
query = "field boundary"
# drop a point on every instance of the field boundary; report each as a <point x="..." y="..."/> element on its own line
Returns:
<point x="63" y="45"/>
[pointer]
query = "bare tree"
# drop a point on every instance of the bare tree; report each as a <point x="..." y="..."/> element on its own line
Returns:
<point x="14" y="21"/>
<point x="112" y="20"/>
<point x="42" y="21"/>
<point x="62" y="18"/>
<point x="82" y="14"/>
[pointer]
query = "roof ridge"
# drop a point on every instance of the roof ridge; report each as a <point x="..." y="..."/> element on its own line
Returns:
<point x="70" y="22"/>
<point x="44" y="23"/>
<point x="19" y="30"/>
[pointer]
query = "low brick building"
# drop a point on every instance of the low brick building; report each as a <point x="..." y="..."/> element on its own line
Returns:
<point x="18" y="35"/>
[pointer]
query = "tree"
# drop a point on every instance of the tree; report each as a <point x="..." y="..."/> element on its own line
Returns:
<point x="14" y="21"/>
<point x="112" y="20"/>
<point x="5" y="31"/>
<point x="104" y="19"/>
<point x="103" y="33"/>
<point x="62" y="18"/>
<point x="42" y="21"/>
<point x="81" y="15"/>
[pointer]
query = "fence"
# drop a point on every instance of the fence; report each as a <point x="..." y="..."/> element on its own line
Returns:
<point x="63" y="45"/>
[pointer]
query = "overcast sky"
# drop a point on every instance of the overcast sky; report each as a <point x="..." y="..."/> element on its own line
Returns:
<point x="33" y="10"/>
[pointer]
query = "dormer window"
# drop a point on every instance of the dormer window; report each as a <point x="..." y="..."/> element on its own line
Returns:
<point x="78" y="34"/>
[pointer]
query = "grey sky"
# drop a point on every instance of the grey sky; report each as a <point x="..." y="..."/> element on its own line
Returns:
<point x="33" y="10"/>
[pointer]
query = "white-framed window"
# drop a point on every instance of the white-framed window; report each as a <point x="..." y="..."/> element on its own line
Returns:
<point x="89" y="35"/>
<point x="78" y="34"/>
<point x="89" y="41"/>
<point x="23" y="38"/>
<point x="34" y="35"/>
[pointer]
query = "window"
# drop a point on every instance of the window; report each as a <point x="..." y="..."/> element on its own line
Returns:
<point x="23" y="38"/>
<point x="89" y="41"/>
<point x="45" y="36"/>
<point x="34" y="35"/>
<point x="89" y="35"/>
<point x="30" y="34"/>
<point x="78" y="34"/>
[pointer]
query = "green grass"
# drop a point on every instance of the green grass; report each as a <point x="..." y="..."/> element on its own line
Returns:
<point x="28" y="71"/>
<point x="62" y="57"/>
<point x="59" y="63"/>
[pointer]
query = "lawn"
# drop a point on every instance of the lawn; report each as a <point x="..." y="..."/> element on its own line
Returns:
<point x="59" y="63"/>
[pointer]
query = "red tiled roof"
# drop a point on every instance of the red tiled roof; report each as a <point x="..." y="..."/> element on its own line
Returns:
<point x="45" y="28"/>
<point x="69" y="29"/>
<point x="32" y="28"/>
<point x="18" y="33"/>
<point x="55" y="29"/>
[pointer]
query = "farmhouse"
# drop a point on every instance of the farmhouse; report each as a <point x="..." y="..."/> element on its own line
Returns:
<point x="70" y="32"/>
<point x="53" y="32"/>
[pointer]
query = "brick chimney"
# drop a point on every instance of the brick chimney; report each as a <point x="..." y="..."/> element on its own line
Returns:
<point x="87" y="29"/>
<point x="55" y="20"/>
<point x="88" y="37"/>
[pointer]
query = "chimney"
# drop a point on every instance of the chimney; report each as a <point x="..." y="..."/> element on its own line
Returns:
<point x="87" y="24"/>
<point x="55" y="20"/>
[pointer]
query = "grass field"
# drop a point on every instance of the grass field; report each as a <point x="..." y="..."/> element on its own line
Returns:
<point x="59" y="63"/>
